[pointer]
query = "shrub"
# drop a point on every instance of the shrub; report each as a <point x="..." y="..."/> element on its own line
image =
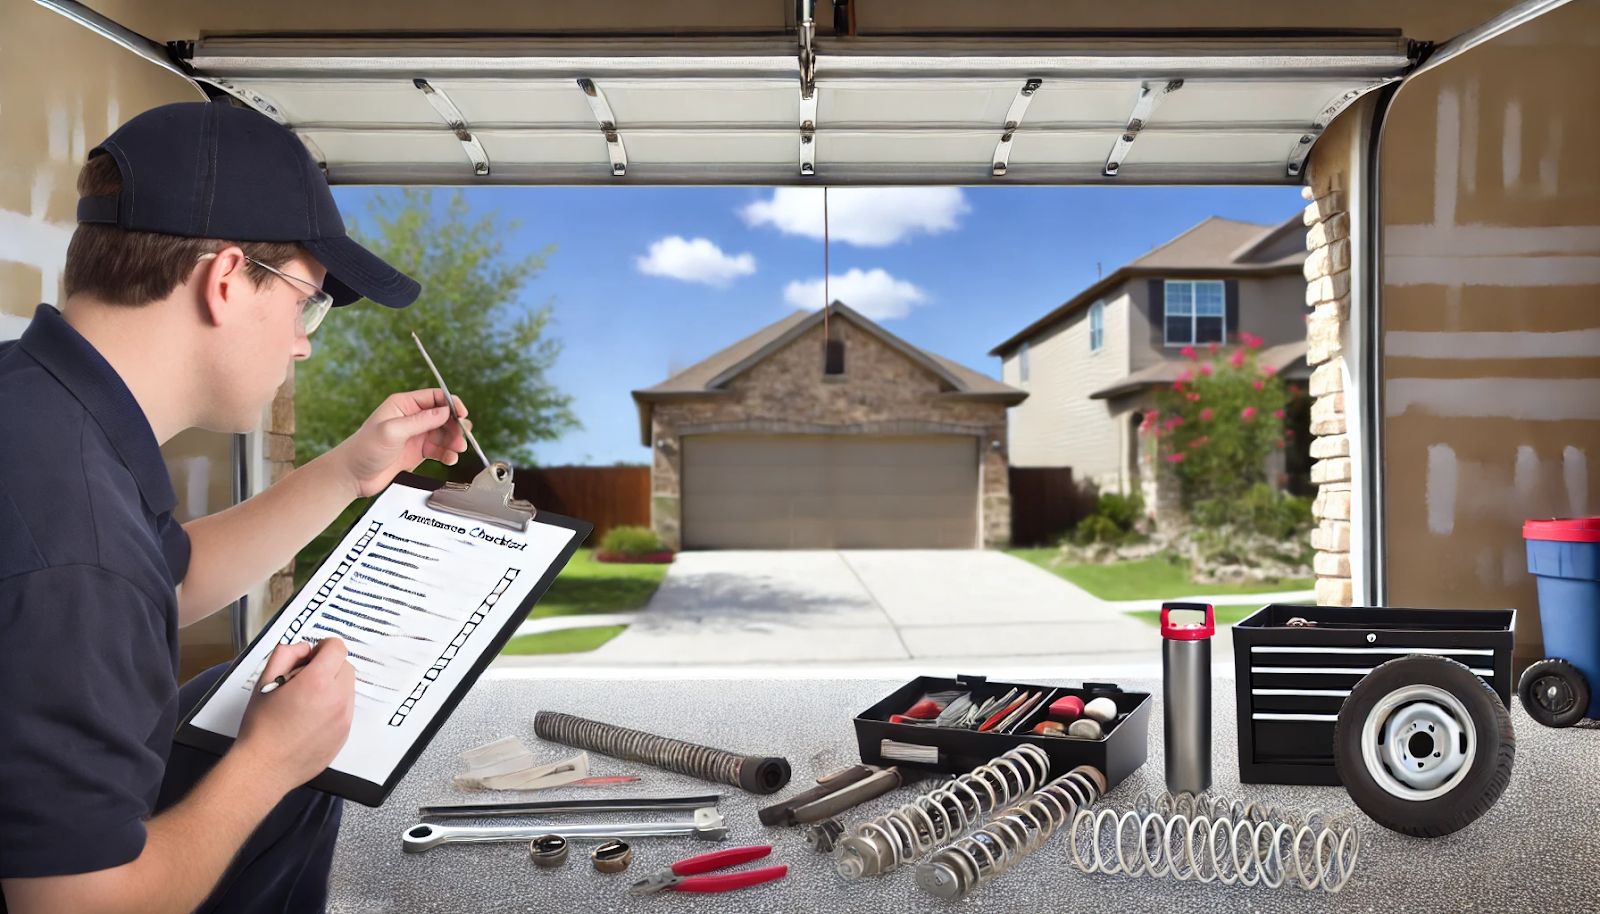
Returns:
<point x="1215" y="427"/>
<point x="631" y="541"/>
<point x="1097" y="528"/>
<point x="1113" y="521"/>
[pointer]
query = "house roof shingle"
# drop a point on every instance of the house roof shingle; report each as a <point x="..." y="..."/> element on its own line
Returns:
<point x="710" y="376"/>
<point x="1215" y="247"/>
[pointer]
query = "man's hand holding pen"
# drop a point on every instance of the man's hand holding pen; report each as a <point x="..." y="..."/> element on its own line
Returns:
<point x="295" y="732"/>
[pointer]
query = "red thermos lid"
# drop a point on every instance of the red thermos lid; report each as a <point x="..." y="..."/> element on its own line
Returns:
<point x="1190" y="631"/>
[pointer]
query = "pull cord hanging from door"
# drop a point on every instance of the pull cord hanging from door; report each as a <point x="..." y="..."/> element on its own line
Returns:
<point x="827" y="301"/>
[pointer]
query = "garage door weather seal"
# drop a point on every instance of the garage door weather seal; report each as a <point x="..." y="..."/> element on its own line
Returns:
<point x="458" y="124"/>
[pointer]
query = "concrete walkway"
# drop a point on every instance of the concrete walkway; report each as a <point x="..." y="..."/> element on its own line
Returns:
<point x="872" y="608"/>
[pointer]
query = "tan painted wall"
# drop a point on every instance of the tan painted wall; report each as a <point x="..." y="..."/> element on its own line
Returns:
<point x="62" y="89"/>
<point x="882" y="392"/>
<point x="1058" y="425"/>
<point x="1491" y="303"/>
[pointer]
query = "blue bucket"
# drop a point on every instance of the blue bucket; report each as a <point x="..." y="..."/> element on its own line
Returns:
<point x="1565" y="557"/>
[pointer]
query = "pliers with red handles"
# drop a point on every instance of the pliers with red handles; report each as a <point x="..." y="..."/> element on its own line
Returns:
<point x="684" y="876"/>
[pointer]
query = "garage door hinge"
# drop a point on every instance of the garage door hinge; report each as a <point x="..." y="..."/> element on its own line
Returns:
<point x="608" y="125"/>
<point x="457" y="124"/>
<point x="1019" y="107"/>
<point x="1151" y="95"/>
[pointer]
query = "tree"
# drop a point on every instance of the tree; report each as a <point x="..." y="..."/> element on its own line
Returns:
<point x="490" y="347"/>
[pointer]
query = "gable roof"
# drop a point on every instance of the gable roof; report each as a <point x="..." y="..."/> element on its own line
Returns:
<point x="711" y="376"/>
<point x="1216" y="247"/>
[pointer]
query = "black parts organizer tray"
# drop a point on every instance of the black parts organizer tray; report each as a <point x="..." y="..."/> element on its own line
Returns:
<point x="1292" y="680"/>
<point x="1117" y="754"/>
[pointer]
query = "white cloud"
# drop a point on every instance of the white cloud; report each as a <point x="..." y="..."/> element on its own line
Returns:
<point x="694" y="261"/>
<point x="874" y="293"/>
<point x="871" y="217"/>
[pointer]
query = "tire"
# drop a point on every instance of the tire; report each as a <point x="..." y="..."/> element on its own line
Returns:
<point x="1427" y="690"/>
<point x="1554" y="693"/>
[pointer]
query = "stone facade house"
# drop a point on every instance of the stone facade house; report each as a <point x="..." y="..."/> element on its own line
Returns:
<point x="1096" y="361"/>
<point x="791" y="438"/>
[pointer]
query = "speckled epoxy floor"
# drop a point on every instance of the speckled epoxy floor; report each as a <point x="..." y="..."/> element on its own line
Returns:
<point x="1537" y="850"/>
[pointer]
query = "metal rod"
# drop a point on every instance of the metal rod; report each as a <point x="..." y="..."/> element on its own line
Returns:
<point x="449" y="400"/>
<point x="628" y="804"/>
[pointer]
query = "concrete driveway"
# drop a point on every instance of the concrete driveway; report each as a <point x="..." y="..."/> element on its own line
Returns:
<point x="868" y="608"/>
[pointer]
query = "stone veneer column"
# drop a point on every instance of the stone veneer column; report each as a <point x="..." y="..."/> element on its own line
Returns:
<point x="1327" y="272"/>
<point x="280" y="461"/>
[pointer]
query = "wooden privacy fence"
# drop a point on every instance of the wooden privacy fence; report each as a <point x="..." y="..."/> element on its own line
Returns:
<point x="1044" y="503"/>
<point x="604" y="496"/>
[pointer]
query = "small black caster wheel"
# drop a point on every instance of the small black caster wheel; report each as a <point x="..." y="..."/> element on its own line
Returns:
<point x="1554" y="693"/>
<point x="1423" y="746"/>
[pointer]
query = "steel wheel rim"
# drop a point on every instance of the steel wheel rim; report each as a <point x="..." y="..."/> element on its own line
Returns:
<point x="1405" y="707"/>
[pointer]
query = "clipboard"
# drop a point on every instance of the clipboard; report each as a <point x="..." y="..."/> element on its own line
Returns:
<point x="487" y="500"/>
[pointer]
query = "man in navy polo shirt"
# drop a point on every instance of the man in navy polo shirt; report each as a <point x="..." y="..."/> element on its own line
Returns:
<point x="209" y="247"/>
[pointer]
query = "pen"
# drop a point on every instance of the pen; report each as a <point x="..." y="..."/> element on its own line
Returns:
<point x="280" y="680"/>
<point x="449" y="400"/>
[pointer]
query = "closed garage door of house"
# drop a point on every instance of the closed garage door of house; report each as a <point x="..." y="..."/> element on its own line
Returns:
<point x="829" y="492"/>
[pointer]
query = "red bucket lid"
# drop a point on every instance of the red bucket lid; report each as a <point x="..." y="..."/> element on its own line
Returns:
<point x="1563" y="530"/>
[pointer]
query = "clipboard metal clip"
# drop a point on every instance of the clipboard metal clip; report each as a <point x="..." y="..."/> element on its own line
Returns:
<point x="488" y="498"/>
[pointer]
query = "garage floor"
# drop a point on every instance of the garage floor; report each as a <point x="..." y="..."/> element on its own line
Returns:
<point x="1534" y="851"/>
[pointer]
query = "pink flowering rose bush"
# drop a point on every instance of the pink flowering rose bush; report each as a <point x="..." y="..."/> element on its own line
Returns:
<point x="1214" y="429"/>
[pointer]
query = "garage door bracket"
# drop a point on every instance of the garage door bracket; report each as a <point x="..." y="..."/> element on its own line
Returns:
<point x="608" y="125"/>
<point x="808" y="88"/>
<point x="1019" y="107"/>
<point x="458" y="125"/>
<point x="1151" y="95"/>
<point x="1302" y="147"/>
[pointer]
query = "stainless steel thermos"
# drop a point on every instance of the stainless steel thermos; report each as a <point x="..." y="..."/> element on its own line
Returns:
<point x="1186" y="696"/>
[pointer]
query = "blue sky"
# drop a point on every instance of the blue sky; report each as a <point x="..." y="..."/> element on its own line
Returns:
<point x="951" y="270"/>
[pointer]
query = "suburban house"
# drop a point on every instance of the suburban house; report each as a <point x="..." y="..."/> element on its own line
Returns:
<point x="826" y="432"/>
<point x="1092" y="365"/>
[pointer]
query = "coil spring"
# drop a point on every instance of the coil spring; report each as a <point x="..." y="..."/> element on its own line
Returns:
<point x="1014" y="833"/>
<point x="941" y="815"/>
<point x="1206" y="838"/>
<point x="759" y="775"/>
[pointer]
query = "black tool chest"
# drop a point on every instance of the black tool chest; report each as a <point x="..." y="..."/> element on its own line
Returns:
<point x="1117" y="753"/>
<point x="1292" y="679"/>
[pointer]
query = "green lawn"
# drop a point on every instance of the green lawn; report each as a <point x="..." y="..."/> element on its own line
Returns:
<point x="585" y="587"/>
<point x="1146" y="579"/>
<point x="566" y="641"/>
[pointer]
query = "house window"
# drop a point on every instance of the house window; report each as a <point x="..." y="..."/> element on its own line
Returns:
<point x="1022" y="363"/>
<point x="1195" y="313"/>
<point x="1097" y="326"/>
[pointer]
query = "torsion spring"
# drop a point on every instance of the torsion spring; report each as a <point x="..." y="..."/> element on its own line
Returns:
<point x="757" y="774"/>
<point x="1205" y="839"/>
<point x="941" y="815"/>
<point x="1014" y="833"/>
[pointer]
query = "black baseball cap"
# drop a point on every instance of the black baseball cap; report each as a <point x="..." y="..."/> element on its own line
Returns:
<point x="213" y="170"/>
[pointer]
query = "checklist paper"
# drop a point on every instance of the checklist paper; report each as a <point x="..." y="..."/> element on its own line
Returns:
<point x="420" y="598"/>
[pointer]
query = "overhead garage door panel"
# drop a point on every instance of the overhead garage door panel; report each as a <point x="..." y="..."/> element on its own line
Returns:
<point x="1152" y="110"/>
<point x="829" y="492"/>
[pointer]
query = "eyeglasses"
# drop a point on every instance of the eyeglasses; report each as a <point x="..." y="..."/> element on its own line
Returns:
<point x="312" y="309"/>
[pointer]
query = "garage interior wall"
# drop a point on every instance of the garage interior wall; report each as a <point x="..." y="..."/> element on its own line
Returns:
<point x="1490" y="209"/>
<point x="63" y="89"/>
